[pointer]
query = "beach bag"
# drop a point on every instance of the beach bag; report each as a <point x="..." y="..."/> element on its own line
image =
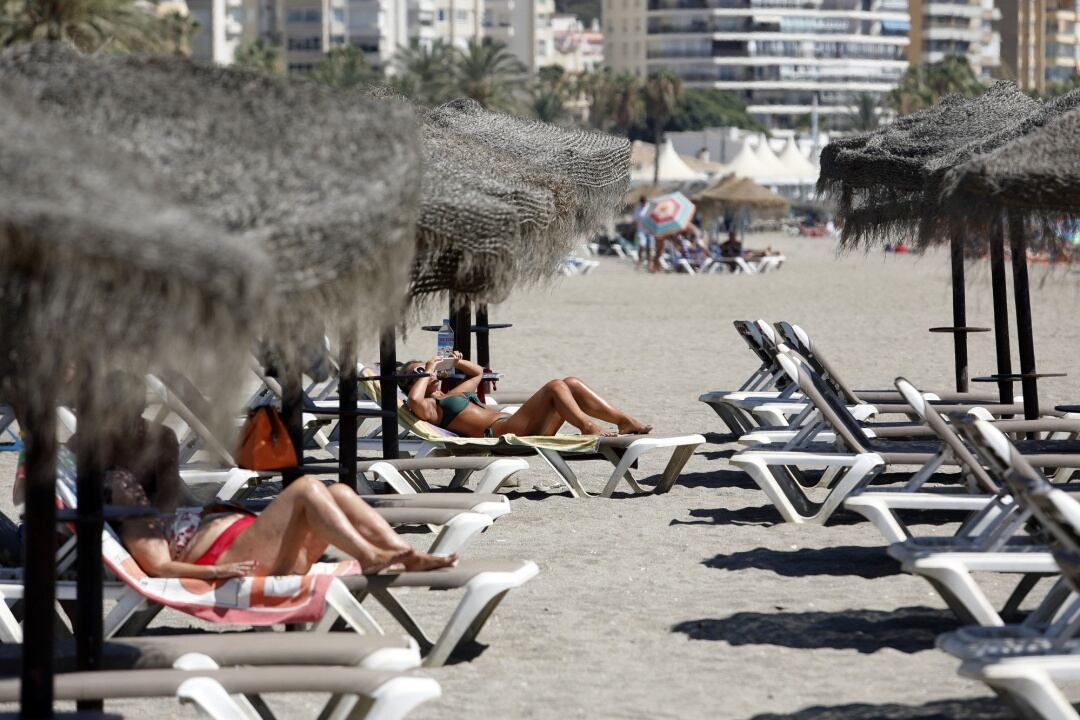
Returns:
<point x="264" y="442"/>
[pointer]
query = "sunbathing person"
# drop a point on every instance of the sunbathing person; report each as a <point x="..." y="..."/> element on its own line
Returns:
<point x="460" y="410"/>
<point x="224" y="540"/>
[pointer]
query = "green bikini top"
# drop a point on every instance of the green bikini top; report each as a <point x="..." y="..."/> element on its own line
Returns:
<point x="454" y="405"/>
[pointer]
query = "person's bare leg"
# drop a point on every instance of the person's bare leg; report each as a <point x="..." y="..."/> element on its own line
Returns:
<point x="378" y="532"/>
<point x="279" y="536"/>
<point x="540" y="412"/>
<point x="591" y="402"/>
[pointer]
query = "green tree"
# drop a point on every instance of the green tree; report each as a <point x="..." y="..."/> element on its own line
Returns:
<point x="344" y="67"/>
<point x="89" y="25"/>
<point x="627" y="105"/>
<point x="663" y="90"/>
<point x="488" y="73"/>
<point x="424" y="73"/>
<point x="925" y="85"/>
<point x="178" y="28"/>
<point x="865" y="117"/>
<point x="699" y="109"/>
<point x="595" y="87"/>
<point x="550" y="93"/>
<point x="258" y="55"/>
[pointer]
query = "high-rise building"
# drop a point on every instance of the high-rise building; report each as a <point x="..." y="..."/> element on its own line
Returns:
<point x="955" y="27"/>
<point x="1039" y="41"/>
<point x="784" y="58"/>
<point x="457" y="22"/>
<point x="222" y="27"/>
<point x="524" y="26"/>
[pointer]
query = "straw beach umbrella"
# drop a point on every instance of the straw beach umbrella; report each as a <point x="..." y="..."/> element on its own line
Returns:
<point x="1034" y="177"/>
<point x="879" y="181"/>
<point x="742" y="193"/>
<point x="327" y="181"/>
<point x="99" y="268"/>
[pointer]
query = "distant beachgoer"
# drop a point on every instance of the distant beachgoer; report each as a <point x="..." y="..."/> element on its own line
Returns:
<point x="690" y="230"/>
<point x="559" y="401"/>
<point x="642" y="239"/>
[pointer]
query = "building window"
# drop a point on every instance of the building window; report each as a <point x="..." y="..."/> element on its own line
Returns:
<point x="461" y="15"/>
<point x="301" y="67"/>
<point x="541" y="48"/>
<point x="337" y="39"/>
<point x="307" y="43"/>
<point x="338" y="14"/>
<point x="304" y="15"/>
<point x="440" y="15"/>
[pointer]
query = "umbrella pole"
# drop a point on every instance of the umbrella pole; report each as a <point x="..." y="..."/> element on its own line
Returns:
<point x="483" y="346"/>
<point x="347" y="399"/>
<point x="1001" y="311"/>
<point x="461" y="322"/>
<point x="89" y="524"/>
<point x="292" y="415"/>
<point x="388" y="391"/>
<point x="39" y="571"/>
<point x="1022" y="301"/>
<point x="959" y="313"/>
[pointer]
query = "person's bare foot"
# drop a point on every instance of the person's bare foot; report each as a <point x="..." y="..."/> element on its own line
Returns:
<point x="594" y="429"/>
<point x="633" y="426"/>
<point x="416" y="561"/>
<point x="383" y="559"/>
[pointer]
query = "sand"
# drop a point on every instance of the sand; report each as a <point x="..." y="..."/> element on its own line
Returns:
<point x="700" y="603"/>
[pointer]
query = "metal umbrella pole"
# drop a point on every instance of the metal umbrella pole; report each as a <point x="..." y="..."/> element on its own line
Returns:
<point x="960" y="329"/>
<point x="388" y="392"/>
<point x="89" y="524"/>
<point x="347" y="404"/>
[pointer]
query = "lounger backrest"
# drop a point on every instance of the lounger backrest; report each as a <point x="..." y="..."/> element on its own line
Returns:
<point x="752" y="336"/>
<point x="421" y="428"/>
<point x="947" y="433"/>
<point x="797" y="339"/>
<point x="835" y="413"/>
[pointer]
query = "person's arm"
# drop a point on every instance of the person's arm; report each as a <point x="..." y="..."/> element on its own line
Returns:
<point x="420" y="405"/>
<point x="145" y="539"/>
<point x="474" y="375"/>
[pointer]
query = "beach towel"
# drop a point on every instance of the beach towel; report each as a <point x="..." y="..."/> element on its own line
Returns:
<point x="265" y="600"/>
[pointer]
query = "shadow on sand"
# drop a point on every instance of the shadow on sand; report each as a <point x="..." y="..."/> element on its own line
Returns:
<point x="718" y="479"/>
<point x="970" y="709"/>
<point x="908" y="629"/>
<point x="756" y="515"/>
<point x="841" y="561"/>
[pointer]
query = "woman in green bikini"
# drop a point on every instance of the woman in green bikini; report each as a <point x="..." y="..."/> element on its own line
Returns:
<point x="460" y="410"/>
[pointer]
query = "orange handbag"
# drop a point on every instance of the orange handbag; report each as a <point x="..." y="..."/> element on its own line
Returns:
<point x="265" y="443"/>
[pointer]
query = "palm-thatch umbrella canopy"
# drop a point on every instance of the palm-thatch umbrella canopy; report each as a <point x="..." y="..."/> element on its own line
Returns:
<point x="99" y="268"/>
<point x="596" y="165"/>
<point x="326" y="181"/>
<point x="742" y="193"/>
<point x="1036" y="176"/>
<point x="648" y="191"/>
<point x="879" y="182"/>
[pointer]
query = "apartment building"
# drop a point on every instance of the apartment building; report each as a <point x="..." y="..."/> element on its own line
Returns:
<point x="524" y="26"/>
<point x="1040" y="44"/>
<point x="782" y="57"/>
<point x="940" y="28"/>
<point x="223" y="26"/>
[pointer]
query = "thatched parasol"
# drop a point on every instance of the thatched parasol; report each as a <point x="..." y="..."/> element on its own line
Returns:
<point x="648" y="192"/>
<point x="327" y="180"/>
<point x="99" y="268"/>
<point x="880" y="180"/>
<point x="1033" y="177"/>
<point x="596" y="165"/>
<point x="741" y="193"/>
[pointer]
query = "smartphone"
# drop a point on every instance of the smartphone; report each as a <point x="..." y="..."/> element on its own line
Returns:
<point x="444" y="366"/>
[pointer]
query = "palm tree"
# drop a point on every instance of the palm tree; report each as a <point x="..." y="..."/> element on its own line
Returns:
<point x="488" y="73"/>
<point x="178" y="28"/>
<point x="627" y="108"/>
<point x="925" y="85"/>
<point x="595" y="87"/>
<point x="258" y="55"/>
<point x="663" y="90"/>
<point x="865" y="117"/>
<point x="89" y="25"/>
<point x="424" y="73"/>
<point x="344" y="67"/>
<point x="549" y="94"/>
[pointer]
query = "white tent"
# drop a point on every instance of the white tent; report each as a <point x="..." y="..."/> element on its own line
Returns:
<point x="798" y="166"/>
<point x="745" y="163"/>
<point x="672" y="167"/>
<point x="773" y="171"/>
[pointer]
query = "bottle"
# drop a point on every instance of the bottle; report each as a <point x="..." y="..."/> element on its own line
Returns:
<point x="445" y="345"/>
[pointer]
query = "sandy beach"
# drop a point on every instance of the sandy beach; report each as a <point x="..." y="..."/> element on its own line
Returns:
<point x="700" y="603"/>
